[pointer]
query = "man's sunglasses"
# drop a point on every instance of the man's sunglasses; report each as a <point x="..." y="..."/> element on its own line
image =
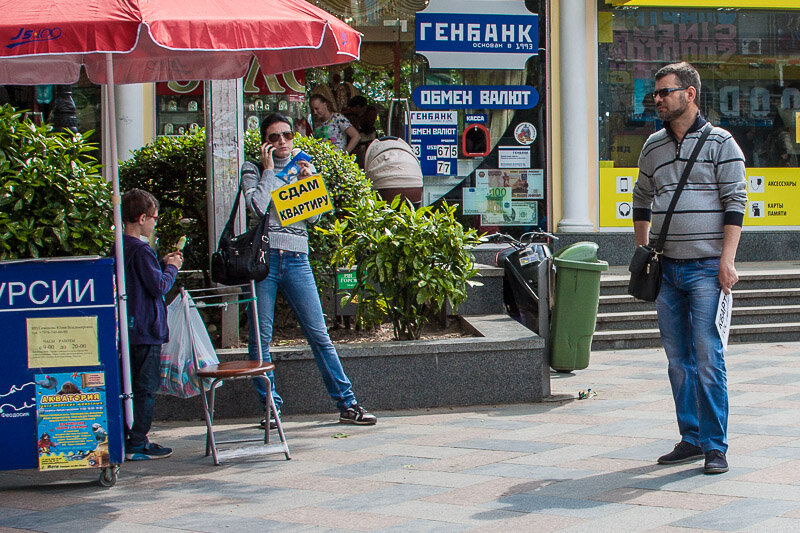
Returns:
<point x="274" y="137"/>
<point x="664" y="92"/>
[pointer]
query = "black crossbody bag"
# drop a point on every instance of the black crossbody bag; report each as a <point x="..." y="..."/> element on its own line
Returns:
<point x="244" y="257"/>
<point x="645" y="267"/>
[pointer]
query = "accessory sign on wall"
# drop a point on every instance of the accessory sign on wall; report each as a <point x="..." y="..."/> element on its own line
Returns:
<point x="501" y="34"/>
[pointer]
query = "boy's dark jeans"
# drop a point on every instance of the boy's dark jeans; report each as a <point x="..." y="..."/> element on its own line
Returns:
<point x="145" y="375"/>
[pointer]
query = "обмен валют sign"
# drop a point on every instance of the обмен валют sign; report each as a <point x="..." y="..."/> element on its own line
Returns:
<point x="476" y="34"/>
<point x="475" y="97"/>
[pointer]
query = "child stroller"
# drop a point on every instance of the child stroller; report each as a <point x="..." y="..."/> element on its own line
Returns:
<point x="393" y="168"/>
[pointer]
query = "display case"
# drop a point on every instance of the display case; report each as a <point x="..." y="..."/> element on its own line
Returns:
<point x="179" y="107"/>
<point x="281" y="93"/>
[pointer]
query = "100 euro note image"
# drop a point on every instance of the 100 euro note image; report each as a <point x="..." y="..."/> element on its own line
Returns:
<point x="486" y="200"/>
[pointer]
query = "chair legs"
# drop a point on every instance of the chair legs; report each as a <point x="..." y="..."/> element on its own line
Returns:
<point x="270" y="408"/>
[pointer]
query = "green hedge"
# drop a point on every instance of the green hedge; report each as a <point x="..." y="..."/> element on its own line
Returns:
<point x="53" y="199"/>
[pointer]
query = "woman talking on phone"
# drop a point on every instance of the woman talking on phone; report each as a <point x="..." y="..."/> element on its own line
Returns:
<point x="290" y="272"/>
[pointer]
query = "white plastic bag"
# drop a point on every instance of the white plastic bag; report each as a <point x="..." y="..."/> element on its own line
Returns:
<point x="178" y="376"/>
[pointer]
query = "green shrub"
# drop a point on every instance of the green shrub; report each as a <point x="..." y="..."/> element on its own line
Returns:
<point x="409" y="262"/>
<point x="53" y="198"/>
<point x="173" y="169"/>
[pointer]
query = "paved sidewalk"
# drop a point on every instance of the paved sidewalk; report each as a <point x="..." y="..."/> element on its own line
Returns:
<point x="562" y="465"/>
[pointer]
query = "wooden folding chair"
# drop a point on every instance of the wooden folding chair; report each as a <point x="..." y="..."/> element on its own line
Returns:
<point x="232" y="370"/>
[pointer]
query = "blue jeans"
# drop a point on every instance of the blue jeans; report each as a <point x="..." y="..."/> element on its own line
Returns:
<point x="687" y="308"/>
<point x="291" y="273"/>
<point x="145" y="379"/>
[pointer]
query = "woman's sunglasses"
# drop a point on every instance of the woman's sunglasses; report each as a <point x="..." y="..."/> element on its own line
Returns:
<point x="275" y="137"/>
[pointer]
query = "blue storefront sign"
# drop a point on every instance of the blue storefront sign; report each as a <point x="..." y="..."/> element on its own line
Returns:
<point x="475" y="97"/>
<point x="476" y="118"/>
<point x="434" y="138"/>
<point x="501" y="34"/>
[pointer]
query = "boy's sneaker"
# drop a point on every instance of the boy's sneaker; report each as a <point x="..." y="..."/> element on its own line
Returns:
<point x="355" y="414"/>
<point x="151" y="450"/>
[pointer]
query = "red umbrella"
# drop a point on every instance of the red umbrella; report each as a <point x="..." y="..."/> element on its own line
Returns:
<point x="131" y="41"/>
<point x="47" y="41"/>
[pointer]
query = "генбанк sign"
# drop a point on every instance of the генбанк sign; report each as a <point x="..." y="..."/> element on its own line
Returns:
<point x="477" y="34"/>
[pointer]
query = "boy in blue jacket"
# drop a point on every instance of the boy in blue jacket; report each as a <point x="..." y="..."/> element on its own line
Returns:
<point x="146" y="283"/>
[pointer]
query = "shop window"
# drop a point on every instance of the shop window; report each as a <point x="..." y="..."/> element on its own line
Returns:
<point x="750" y="85"/>
<point x="179" y="107"/>
<point x="282" y="93"/>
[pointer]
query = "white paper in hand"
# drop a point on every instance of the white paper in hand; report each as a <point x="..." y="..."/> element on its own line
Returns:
<point x="723" y="320"/>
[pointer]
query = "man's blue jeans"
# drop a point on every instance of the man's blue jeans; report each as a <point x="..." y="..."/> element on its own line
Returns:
<point x="291" y="273"/>
<point x="687" y="308"/>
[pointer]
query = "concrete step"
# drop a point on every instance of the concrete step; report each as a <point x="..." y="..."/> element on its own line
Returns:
<point x="622" y="303"/>
<point x="771" y="314"/>
<point x="617" y="284"/>
<point x="752" y="297"/>
<point x="742" y="333"/>
<point x="766" y="308"/>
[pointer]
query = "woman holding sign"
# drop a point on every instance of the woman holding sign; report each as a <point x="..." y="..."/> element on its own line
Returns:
<point x="289" y="270"/>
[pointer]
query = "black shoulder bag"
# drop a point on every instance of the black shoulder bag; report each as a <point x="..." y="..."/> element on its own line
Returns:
<point x="244" y="257"/>
<point x="645" y="266"/>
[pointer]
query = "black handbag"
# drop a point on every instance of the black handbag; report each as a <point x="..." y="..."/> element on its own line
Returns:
<point x="244" y="257"/>
<point x="645" y="267"/>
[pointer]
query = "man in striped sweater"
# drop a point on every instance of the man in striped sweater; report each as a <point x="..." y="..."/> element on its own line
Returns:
<point x="698" y="259"/>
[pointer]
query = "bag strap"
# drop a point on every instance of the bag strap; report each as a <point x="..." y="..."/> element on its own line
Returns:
<point x="662" y="237"/>
<point x="227" y="232"/>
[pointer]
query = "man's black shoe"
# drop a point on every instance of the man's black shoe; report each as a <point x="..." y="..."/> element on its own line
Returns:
<point x="683" y="453"/>
<point x="715" y="463"/>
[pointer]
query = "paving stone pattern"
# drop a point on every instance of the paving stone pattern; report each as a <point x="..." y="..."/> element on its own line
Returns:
<point x="560" y="465"/>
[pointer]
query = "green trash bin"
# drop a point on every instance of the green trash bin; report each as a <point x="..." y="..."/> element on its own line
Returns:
<point x="575" y="305"/>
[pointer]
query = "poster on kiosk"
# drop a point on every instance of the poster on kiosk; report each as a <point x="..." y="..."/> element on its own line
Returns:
<point x="60" y="402"/>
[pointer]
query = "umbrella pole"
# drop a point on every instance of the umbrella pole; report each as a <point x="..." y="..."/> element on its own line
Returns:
<point x="116" y="200"/>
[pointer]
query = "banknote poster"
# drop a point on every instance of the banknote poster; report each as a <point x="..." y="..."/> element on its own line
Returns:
<point x="524" y="183"/>
<point x="522" y="213"/>
<point x="486" y="200"/>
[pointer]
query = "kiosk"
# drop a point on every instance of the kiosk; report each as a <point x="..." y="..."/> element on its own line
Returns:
<point x="60" y="399"/>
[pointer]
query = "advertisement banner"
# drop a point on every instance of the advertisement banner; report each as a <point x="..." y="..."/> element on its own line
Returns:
<point x="302" y="199"/>
<point x="72" y="425"/>
<point x="773" y="198"/>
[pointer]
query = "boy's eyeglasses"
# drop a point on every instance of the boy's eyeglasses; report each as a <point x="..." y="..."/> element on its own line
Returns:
<point x="154" y="217"/>
<point x="275" y="137"/>
<point x="664" y="92"/>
